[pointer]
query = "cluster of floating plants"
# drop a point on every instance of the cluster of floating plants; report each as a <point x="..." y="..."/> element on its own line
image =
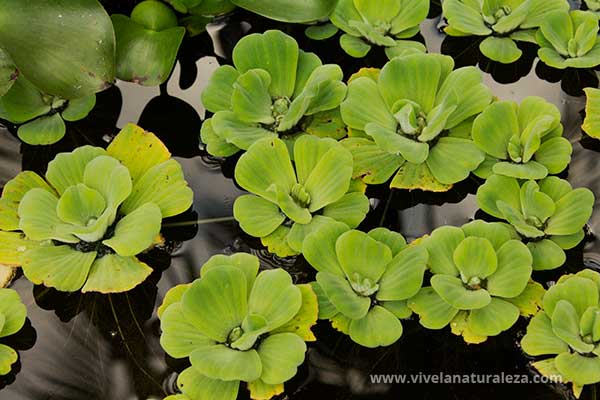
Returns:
<point x="310" y="141"/>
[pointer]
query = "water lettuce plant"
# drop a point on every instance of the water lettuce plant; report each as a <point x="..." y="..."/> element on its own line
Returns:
<point x="200" y="12"/>
<point x="84" y="223"/>
<point x="549" y="215"/>
<point x="12" y="318"/>
<point x="501" y="22"/>
<point x="364" y="280"/>
<point x="384" y="23"/>
<point x="151" y="33"/>
<point x="592" y="5"/>
<point x="416" y="115"/>
<point x="41" y="117"/>
<point x="528" y="144"/>
<point x="237" y="325"/>
<point x="569" y="39"/>
<point x="566" y="333"/>
<point x="274" y="90"/>
<point x="288" y="201"/>
<point x="479" y="272"/>
<point x="591" y="123"/>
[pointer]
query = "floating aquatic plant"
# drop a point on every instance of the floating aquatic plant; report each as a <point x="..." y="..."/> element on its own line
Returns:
<point x="12" y="319"/>
<point x="384" y="23"/>
<point x="592" y="5"/>
<point x="236" y="326"/>
<point x="289" y="10"/>
<point x="550" y="215"/>
<point x="568" y="331"/>
<point x="479" y="273"/>
<point x="151" y="33"/>
<point x="288" y="201"/>
<point x="364" y="280"/>
<point x="591" y="124"/>
<point x="569" y="40"/>
<point x="274" y="90"/>
<point x="82" y="226"/>
<point x="200" y="12"/>
<point x="528" y="144"/>
<point x="416" y="117"/>
<point x="501" y="22"/>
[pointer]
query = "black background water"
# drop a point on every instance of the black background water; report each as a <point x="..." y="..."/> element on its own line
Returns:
<point x="79" y="347"/>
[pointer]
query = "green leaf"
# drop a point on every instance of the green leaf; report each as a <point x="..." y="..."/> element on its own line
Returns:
<point x="297" y="213"/>
<point x="79" y="204"/>
<point x="417" y="176"/>
<point x="289" y="10"/>
<point x="441" y="245"/>
<point x="179" y="338"/>
<point x="405" y="48"/>
<point x="475" y="257"/>
<point x="7" y="358"/>
<point x="319" y="248"/>
<point x="555" y="187"/>
<point x="514" y="270"/>
<point x="326" y="308"/>
<point x="579" y="291"/>
<point x="277" y="242"/>
<point x="354" y="46"/>
<point x="59" y="267"/>
<point x="465" y="18"/>
<point x="371" y="163"/>
<point x="172" y="296"/>
<point x="554" y="154"/>
<point x="451" y="159"/>
<point x="452" y="290"/>
<point x="257" y="217"/>
<point x="265" y="164"/>
<point x="12" y="247"/>
<point x="378" y="328"/>
<point x="557" y="28"/>
<point x="403" y="277"/>
<point x="361" y="256"/>
<point x="350" y="209"/>
<point x="540" y="339"/>
<point x="393" y="240"/>
<point x="38" y="218"/>
<point x="116" y="274"/>
<point x="565" y="325"/>
<point x="197" y="386"/>
<point x="433" y="311"/>
<point x="364" y="104"/>
<point x="23" y="102"/>
<point x="497" y="233"/>
<point x="591" y="124"/>
<point x="136" y="231"/>
<point x="321" y="32"/>
<point x="341" y="295"/>
<point x="250" y="99"/>
<point x="568" y="242"/>
<point x="410" y="15"/>
<point x="529" y="170"/>
<point x="13" y="312"/>
<point x="79" y="108"/>
<point x="221" y="362"/>
<point x="494" y="318"/>
<point x="8" y="73"/>
<point x="518" y="221"/>
<point x="215" y="145"/>
<point x="164" y="185"/>
<point x="530" y="300"/>
<point x="43" y="130"/>
<point x="280" y="354"/>
<point x="216" y="96"/>
<point x="498" y="188"/>
<point x="305" y="318"/>
<point x="535" y="205"/>
<point x="217" y="303"/>
<point x="500" y="49"/>
<point x="247" y="263"/>
<point x="572" y="212"/>
<point x="74" y="57"/>
<point x="396" y="143"/>
<point x="579" y="369"/>
<point x="491" y="137"/>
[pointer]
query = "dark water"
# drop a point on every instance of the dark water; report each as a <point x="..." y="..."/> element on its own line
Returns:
<point x="107" y="347"/>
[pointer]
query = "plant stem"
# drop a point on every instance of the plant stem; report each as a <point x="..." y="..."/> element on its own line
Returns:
<point x="387" y="207"/>
<point x="199" y="222"/>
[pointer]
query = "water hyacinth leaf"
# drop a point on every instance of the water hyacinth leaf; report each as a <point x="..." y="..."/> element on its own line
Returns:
<point x="452" y="159"/>
<point x="501" y="49"/>
<point x="540" y="339"/>
<point x="354" y="46"/>
<point x="433" y="311"/>
<point x="257" y="216"/>
<point x="60" y="267"/>
<point x="216" y="96"/>
<point x="280" y="355"/>
<point x="221" y="362"/>
<point x="76" y="55"/>
<point x="404" y="275"/>
<point x="115" y="274"/>
<point x="321" y="32"/>
<point x="452" y="290"/>
<point x="498" y="188"/>
<point x="138" y="150"/>
<point x="13" y="310"/>
<point x="393" y="240"/>
<point x="164" y="185"/>
<point x="497" y="233"/>
<point x="378" y="328"/>
<point x="267" y="163"/>
<point x="493" y="319"/>
<point x="565" y="325"/>
<point x="306" y="316"/>
<point x="179" y="338"/>
<point x="591" y="124"/>
<point x="197" y="386"/>
<point x="341" y="295"/>
<point x="576" y="368"/>
<point x="250" y="98"/>
<point x="38" y="218"/>
<point x="475" y="257"/>
<point x="491" y="137"/>
<point x="514" y="270"/>
<point x="440" y="246"/>
<point x="572" y="212"/>
<point x="7" y="358"/>
<point x="136" y="231"/>
<point x="172" y="296"/>
<point x="217" y="303"/>
<point x="361" y="256"/>
<point x="13" y="192"/>
<point x="319" y="248"/>
<point x="275" y="297"/>
<point x="43" y="130"/>
<point x="78" y="108"/>
<point x="289" y="10"/>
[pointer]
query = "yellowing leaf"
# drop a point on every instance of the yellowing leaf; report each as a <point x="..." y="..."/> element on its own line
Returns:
<point x="459" y="327"/>
<point x="306" y="316"/>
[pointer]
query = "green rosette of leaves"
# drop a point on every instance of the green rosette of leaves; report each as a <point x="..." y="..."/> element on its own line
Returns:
<point x="591" y="123"/>
<point x="12" y="318"/>
<point x="569" y="40"/>
<point x="237" y="325"/>
<point x="592" y="5"/>
<point x="414" y="119"/>
<point x="528" y="144"/>
<point x="41" y="117"/>
<point x="501" y="22"/>
<point x="288" y="201"/>
<point x="480" y="274"/>
<point x="274" y="89"/>
<point x="151" y="33"/>
<point x="84" y="223"/>
<point x="566" y="333"/>
<point x="549" y="215"/>
<point x="383" y="24"/>
<point x="365" y="280"/>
